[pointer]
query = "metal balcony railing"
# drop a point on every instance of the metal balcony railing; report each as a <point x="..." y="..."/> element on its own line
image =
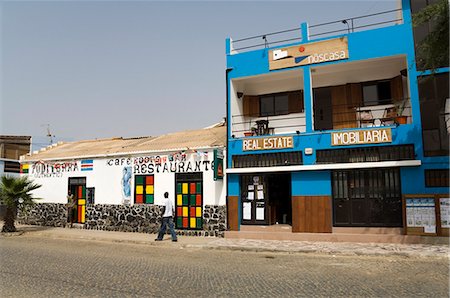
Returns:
<point x="256" y="125"/>
<point x="328" y="29"/>
<point x="343" y="116"/>
<point x="371" y="114"/>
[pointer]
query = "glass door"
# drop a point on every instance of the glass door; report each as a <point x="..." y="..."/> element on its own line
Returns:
<point x="254" y="207"/>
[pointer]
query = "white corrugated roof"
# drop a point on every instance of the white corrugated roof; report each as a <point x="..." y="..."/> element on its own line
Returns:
<point x="194" y="139"/>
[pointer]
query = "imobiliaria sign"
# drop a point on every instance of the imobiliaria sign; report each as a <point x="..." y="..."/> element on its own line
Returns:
<point x="357" y="137"/>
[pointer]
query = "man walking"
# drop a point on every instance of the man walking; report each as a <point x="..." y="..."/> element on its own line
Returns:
<point x="167" y="219"/>
<point x="71" y="202"/>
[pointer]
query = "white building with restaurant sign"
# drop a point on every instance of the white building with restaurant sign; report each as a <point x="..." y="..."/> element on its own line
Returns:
<point x="128" y="177"/>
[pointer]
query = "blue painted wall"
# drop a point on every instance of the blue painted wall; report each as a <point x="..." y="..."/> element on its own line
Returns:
<point x="311" y="183"/>
<point x="383" y="42"/>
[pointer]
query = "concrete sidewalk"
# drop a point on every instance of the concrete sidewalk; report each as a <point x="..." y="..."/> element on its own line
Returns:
<point x="333" y="248"/>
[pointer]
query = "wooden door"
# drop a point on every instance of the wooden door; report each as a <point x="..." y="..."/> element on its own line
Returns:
<point x="344" y="112"/>
<point x="323" y="112"/>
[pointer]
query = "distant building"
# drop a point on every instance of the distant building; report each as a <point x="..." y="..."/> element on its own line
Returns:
<point x="336" y="131"/>
<point x="119" y="183"/>
<point x="11" y="148"/>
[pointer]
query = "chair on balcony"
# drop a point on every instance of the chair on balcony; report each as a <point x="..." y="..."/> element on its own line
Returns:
<point x="262" y="127"/>
<point x="365" y="118"/>
<point x="389" y="116"/>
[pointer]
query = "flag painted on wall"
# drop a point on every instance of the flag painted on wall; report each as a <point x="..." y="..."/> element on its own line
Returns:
<point x="87" y="165"/>
<point x="24" y="168"/>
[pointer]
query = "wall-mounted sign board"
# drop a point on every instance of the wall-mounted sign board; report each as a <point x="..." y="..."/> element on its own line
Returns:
<point x="267" y="143"/>
<point x="358" y="137"/>
<point x="309" y="53"/>
<point x="426" y="215"/>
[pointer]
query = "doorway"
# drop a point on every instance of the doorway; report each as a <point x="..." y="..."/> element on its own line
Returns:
<point x="266" y="199"/>
<point x="77" y="187"/>
<point x="367" y="198"/>
<point x="280" y="201"/>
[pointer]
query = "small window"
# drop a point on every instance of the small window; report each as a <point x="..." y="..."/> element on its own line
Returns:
<point x="377" y="93"/>
<point x="90" y="195"/>
<point x="267" y="106"/>
<point x="437" y="178"/>
<point x="12" y="167"/>
<point x="281" y="103"/>
<point x="144" y="192"/>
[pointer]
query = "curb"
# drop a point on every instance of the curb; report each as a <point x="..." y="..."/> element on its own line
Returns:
<point x="237" y="247"/>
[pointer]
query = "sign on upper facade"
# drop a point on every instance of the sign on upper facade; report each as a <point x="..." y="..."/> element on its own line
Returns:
<point x="358" y="137"/>
<point x="267" y="143"/>
<point x="218" y="164"/>
<point x="310" y="53"/>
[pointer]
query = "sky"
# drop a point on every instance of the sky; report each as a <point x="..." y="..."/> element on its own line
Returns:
<point x="101" y="69"/>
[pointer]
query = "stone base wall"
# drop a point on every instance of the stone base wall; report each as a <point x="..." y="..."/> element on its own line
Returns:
<point x="44" y="214"/>
<point x="136" y="218"/>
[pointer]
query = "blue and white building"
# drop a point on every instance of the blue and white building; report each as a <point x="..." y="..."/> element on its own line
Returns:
<point x="337" y="129"/>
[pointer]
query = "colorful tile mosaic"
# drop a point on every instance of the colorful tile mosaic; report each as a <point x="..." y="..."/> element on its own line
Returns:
<point x="24" y="168"/>
<point x="144" y="189"/>
<point x="189" y="210"/>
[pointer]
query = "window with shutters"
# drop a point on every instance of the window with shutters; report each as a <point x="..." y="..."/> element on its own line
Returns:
<point x="377" y="93"/>
<point x="273" y="104"/>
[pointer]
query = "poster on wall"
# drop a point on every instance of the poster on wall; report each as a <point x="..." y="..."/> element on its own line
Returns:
<point x="126" y="185"/>
<point x="420" y="213"/>
<point x="260" y="213"/>
<point x="444" y="204"/>
<point x="247" y="210"/>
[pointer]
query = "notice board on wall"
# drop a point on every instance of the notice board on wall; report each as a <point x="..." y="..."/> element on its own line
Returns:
<point x="426" y="215"/>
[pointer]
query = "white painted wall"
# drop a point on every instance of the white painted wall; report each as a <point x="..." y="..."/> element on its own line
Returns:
<point x="266" y="84"/>
<point x="106" y="177"/>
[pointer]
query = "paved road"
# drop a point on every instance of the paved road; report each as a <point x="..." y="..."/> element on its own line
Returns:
<point x="39" y="267"/>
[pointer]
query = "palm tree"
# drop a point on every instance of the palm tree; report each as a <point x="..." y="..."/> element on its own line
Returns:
<point x="15" y="193"/>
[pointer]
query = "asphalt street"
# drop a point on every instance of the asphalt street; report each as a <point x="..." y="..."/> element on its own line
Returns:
<point x="43" y="267"/>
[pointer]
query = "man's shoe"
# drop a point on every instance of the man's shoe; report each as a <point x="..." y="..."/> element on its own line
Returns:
<point x="158" y="239"/>
<point x="174" y="240"/>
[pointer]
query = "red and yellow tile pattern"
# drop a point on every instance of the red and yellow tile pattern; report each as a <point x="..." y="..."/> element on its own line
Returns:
<point x="189" y="204"/>
<point x="144" y="189"/>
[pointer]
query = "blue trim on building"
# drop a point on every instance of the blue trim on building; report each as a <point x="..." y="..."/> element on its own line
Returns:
<point x="387" y="42"/>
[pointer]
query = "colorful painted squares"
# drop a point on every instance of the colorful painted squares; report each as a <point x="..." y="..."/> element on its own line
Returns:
<point x="144" y="189"/>
<point x="24" y="168"/>
<point x="87" y="165"/>
<point x="189" y="211"/>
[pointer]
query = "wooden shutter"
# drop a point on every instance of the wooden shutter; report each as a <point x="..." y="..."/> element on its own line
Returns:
<point x="344" y="113"/>
<point x="296" y="101"/>
<point x="397" y="88"/>
<point x="355" y="91"/>
<point x="250" y="105"/>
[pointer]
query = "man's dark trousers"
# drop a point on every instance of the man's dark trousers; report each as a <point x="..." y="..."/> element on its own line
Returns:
<point x="167" y="221"/>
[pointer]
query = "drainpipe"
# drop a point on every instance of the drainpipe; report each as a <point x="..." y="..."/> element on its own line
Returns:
<point x="227" y="71"/>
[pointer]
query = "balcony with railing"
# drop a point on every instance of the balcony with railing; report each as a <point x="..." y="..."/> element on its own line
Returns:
<point x="267" y="104"/>
<point x="358" y="94"/>
<point x="361" y="94"/>
<point x="318" y="31"/>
